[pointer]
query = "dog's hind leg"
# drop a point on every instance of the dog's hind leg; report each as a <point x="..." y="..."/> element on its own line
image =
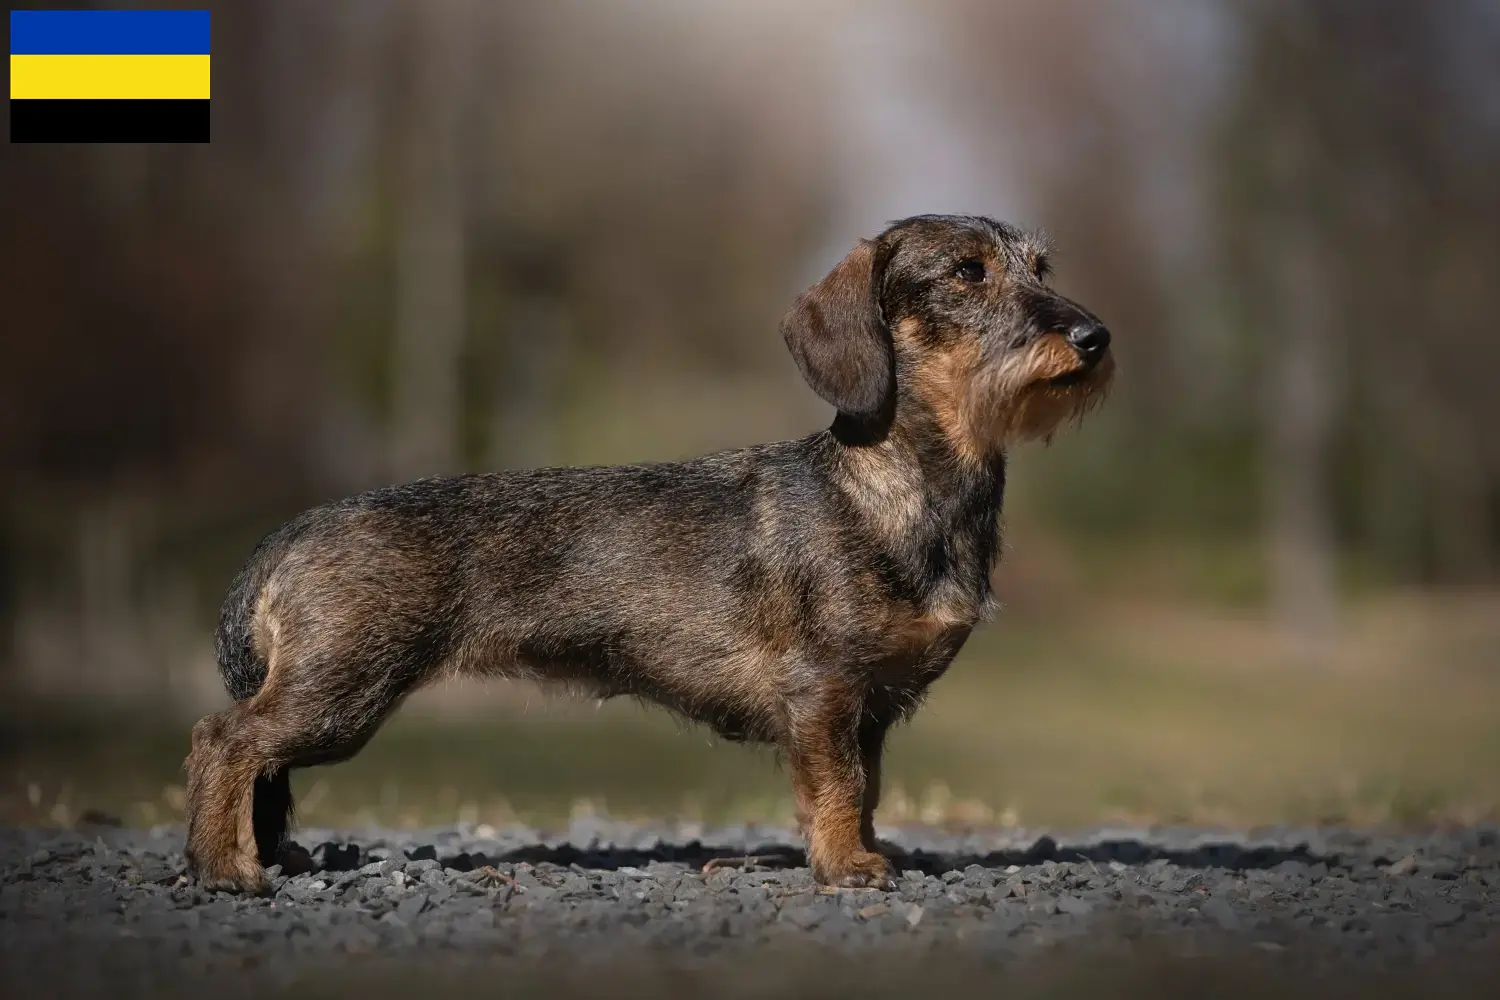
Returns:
<point x="221" y="837"/>
<point x="239" y="791"/>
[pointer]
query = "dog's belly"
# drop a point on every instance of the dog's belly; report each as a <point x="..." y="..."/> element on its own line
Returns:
<point x="729" y="688"/>
<point x="734" y="694"/>
<point x="702" y="668"/>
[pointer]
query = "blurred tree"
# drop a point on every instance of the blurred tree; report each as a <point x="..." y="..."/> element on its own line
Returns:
<point x="1355" y="219"/>
<point x="430" y="279"/>
<point x="1275" y="215"/>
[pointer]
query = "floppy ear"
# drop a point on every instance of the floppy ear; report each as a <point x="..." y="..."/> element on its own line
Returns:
<point x="836" y="333"/>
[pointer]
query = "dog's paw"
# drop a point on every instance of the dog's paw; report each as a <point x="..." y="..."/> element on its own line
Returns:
<point x="861" y="870"/>
<point x="237" y="874"/>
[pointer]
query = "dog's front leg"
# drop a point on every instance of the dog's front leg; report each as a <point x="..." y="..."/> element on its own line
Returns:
<point x="828" y="772"/>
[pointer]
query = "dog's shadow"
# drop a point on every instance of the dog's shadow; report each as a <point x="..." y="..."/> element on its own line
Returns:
<point x="335" y="857"/>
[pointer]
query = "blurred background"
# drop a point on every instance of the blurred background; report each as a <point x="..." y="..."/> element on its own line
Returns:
<point x="1259" y="586"/>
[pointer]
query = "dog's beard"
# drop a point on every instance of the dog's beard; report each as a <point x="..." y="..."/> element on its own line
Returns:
<point x="1035" y="391"/>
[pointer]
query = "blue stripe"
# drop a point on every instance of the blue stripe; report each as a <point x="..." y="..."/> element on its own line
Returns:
<point x="109" y="32"/>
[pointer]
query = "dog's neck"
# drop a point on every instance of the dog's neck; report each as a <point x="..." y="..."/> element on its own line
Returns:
<point x="936" y="512"/>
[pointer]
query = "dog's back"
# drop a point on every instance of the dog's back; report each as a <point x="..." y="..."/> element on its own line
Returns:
<point x="647" y="579"/>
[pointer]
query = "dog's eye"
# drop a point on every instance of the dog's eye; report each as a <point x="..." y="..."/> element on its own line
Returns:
<point x="970" y="270"/>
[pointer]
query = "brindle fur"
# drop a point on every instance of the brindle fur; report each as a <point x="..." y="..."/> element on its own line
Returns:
<point x="804" y="593"/>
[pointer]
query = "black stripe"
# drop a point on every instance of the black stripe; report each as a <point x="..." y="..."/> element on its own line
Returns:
<point x="109" y="121"/>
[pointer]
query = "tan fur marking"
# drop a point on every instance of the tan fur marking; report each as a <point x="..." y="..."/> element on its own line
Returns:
<point x="942" y="380"/>
<point x="983" y="411"/>
<point x="909" y="638"/>
<point x="1052" y="357"/>
<point x="915" y="632"/>
<point x="265" y="628"/>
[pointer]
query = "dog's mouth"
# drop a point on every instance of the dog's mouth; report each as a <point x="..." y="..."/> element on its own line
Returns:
<point x="1084" y="369"/>
<point x="1064" y="383"/>
<point x="1072" y="378"/>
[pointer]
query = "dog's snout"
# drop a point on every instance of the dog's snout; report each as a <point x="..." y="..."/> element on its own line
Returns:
<point x="1090" y="338"/>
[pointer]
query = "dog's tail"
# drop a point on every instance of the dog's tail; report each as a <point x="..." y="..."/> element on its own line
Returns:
<point x="244" y="667"/>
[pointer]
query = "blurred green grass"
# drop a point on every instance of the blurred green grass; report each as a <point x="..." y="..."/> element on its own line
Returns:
<point x="1137" y="716"/>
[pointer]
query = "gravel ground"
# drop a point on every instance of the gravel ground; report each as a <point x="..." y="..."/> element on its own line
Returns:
<point x="604" y="893"/>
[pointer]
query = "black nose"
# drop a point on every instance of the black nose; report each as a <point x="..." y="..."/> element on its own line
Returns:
<point x="1090" y="337"/>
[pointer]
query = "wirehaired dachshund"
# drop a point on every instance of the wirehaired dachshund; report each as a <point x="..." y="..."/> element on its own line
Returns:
<point x="804" y="593"/>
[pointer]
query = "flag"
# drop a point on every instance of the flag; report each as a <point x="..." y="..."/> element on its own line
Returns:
<point x="109" y="75"/>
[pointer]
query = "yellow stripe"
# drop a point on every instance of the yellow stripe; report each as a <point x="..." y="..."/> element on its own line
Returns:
<point x="92" y="77"/>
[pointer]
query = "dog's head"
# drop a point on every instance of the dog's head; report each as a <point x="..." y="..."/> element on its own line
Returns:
<point x="949" y="320"/>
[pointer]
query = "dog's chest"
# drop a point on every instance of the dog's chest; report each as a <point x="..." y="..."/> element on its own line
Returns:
<point x="917" y="647"/>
